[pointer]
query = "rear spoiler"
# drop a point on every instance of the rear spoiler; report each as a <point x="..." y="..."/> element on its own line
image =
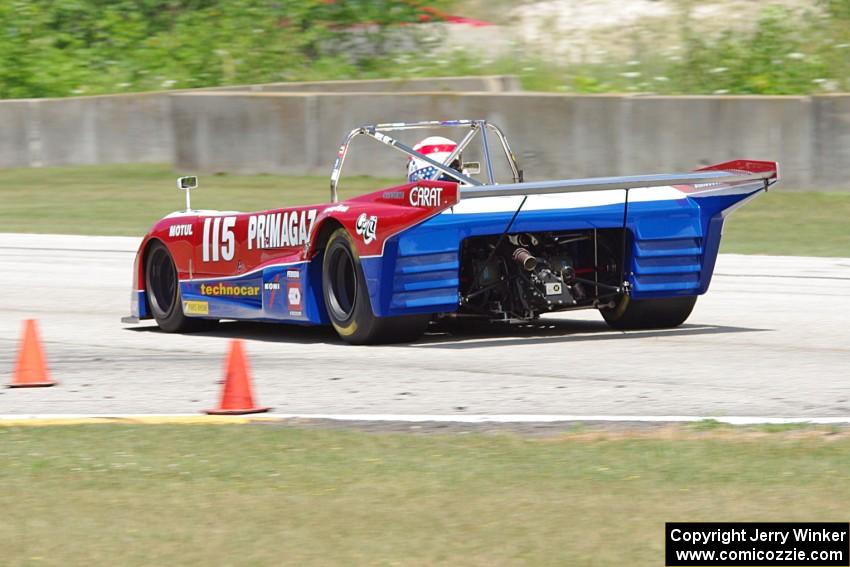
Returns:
<point x="727" y="173"/>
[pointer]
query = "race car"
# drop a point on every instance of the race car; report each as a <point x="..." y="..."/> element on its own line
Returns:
<point x="450" y="244"/>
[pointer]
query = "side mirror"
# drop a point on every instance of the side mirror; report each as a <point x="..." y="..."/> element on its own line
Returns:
<point x="472" y="167"/>
<point x="187" y="184"/>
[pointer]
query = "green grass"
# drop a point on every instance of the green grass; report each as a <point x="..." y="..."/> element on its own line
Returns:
<point x="128" y="199"/>
<point x="796" y="224"/>
<point x="262" y="495"/>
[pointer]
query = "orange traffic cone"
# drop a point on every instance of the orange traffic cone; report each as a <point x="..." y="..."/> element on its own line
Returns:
<point x="31" y="369"/>
<point x="236" y="396"/>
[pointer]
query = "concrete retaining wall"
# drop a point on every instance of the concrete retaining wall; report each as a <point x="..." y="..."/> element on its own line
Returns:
<point x="137" y="128"/>
<point x="101" y="130"/>
<point x="553" y="135"/>
<point x="831" y="140"/>
<point x="15" y="130"/>
<point x="242" y="133"/>
<point x="133" y="128"/>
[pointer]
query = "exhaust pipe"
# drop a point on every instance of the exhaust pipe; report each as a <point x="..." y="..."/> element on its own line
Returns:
<point x="524" y="258"/>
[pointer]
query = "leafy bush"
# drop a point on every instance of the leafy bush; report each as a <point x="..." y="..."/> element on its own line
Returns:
<point x="774" y="59"/>
<point x="784" y="53"/>
<point x="52" y="48"/>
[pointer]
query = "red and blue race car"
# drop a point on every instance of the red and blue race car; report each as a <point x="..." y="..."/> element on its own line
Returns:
<point x="451" y="243"/>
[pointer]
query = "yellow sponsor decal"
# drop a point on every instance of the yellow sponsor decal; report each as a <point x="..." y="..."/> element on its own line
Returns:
<point x="196" y="307"/>
<point x="230" y="290"/>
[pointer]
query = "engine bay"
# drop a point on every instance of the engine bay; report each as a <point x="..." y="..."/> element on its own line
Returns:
<point x="517" y="277"/>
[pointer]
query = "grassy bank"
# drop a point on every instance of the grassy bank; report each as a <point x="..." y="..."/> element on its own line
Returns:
<point x="795" y="224"/>
<point x="127" y="199"/>
<point x="260" y="495"/>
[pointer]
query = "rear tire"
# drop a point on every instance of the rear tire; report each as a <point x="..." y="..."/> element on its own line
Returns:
<point x="347" y="299"/>
<point x="163" y="294"/>
<point x="634" y="314"/>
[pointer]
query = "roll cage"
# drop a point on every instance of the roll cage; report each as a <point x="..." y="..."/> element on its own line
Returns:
<point x="473" y="127"/>
<point x="706" y="178"/>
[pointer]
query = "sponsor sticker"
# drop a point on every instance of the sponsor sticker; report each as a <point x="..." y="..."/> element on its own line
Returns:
<point x="280" y="230"/>
<point x="176" y="230"/>
<point x="393" y="195"/>
<point x="230" y="290"/>
<point x="273" y="286"/>
<point x="293" y="295"/>
<point x="367" y="227"/>
<point x="426" y="196"/>
<point x="196" y="308"/>
<point x="336" y="209"/>
<point x="293" y="275"/>
<point x="554" y="288"/>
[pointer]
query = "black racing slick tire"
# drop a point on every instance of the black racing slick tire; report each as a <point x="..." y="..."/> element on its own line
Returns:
<point x="632" y="314"/>
<point x="347" y="299"/>
<point x="163" y="293"/>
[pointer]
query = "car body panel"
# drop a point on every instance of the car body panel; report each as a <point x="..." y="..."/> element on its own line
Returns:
<point x="267" y="265"/>
<point x="259" y="265"/>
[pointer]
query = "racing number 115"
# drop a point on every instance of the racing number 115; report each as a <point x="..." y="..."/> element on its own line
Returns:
<point x="219" y="241"/>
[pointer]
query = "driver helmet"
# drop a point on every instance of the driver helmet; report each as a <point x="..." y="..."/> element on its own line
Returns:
<point x="438" y="149"/>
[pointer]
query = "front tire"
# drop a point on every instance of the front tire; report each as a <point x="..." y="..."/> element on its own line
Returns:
<point x="347" y="299"/>
<point x="635" y="314"/>
<point x="163" y="293"/>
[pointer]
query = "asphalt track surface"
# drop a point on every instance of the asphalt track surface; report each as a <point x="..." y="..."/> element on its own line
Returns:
<point x="770" y="339"/>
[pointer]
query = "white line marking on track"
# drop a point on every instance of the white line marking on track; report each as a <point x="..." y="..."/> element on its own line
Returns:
<point x="10" y="419"/>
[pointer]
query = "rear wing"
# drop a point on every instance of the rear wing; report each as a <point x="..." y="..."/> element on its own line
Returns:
<point x="711" y="177"/>
<point x="740" y="178"/>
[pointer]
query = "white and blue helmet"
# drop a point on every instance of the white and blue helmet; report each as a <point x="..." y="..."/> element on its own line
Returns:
<point x="438" y="149"/>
